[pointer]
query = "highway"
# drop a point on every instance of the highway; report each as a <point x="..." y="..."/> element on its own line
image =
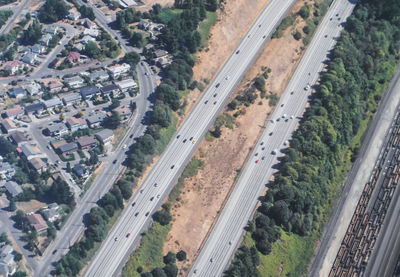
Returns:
<point x="229" y="228"/>
<point x="160" y="180"/>
<point x="103" y="182"/>
<point x="16" y="12"/>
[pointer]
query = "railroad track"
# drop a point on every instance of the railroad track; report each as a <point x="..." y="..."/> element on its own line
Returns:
<point x="360" y="237"/>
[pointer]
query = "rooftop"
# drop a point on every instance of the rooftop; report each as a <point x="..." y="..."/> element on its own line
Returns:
<point x="86" y="141"/>
<point x="105" y="134"/>
<point x="37" y="221"/>
<point x="13" y="188"/>
<point x="18" y="137"/>
<point x="75" y="120"/>
<point x="68" y="147"/>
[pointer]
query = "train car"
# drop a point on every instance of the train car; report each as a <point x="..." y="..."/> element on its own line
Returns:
<point x="365" y="219"/>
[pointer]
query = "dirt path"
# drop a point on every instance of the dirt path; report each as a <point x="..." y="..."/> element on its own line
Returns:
<point x="203" y="195"/>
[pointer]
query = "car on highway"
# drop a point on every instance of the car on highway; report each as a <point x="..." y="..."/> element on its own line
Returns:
<point x="257" y="161"/>
<point x="114" y="161"/>
<point x="284" y="115"/>
<point x="136" y="214"/>
<point x="286" y="143"/>
<point x="215" y="102"/>
<point x="185" y="140"/>
<point x="291" y="92"/>
<point x="155" y="185"/>
<point x="158" y="196"/>
<point x="151" y="199"/>
<point x="237" y="52"/>
<point x="271" y="133"/>
<point x="172" y="166"/>
<point x="217" y="85"/>
<point x="307" y="87"/>
<point x="124" y="146"/>
<point x="178" y="136"/>
<point x="54" y="252"/>
<point x="274" y="151"/>
<point x="145" y="73"/>
<point x="215" y="95"/>
<point x="206" y="102"/>
<point x="191" y="138"/>
<point x="263" y="157"/>
<point x="147" y="214"/>
<point x="128" y="235"/>
<point x="141" y="63"/>
<point x="115" y="239"/>
<point x="133" y="204"/>
<point x="227" y="77"/>
<point x="194" y="141"/>
<point x="131" y="136"/>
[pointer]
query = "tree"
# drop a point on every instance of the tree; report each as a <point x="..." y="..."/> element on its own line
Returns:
<point x="181" y="255"/>
<point x="170" y="258"/>
<point x="161" y="115"/>
<point x="6" y="147"/>
<point x="60" y="192"/>
<point x="304" y="12"/>
<point x="137" y="39"/>
<point x="12" y="207"/>
<point x="126" y="188"/>
<point x="297" y="35"/>
<point x="62" y="117"/>
<point x="115" y="103"/>
<point x="211" y="5"/>
<point x="132" y="106"/>
<point x="158" y="272"/>
<point x="163" y="217"/>
<point x="52" y="11"/>
<point x="19" y="274"/>
<point x="4" y="238"/>
<point x="131" y="58"/>
<point x="17" y="256"/>
<point x="87" y="12"/>
<point x="33" y="34"/>
<point x="92" y="50"/>
<point x="113" y="121"/>
<point x="169" y="95"/>
<point x="171" y="270"/>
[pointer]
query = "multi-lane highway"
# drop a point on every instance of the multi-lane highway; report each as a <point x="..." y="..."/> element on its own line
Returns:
<point x="229" y="228"/>
<point x="16" y="12"/>
<point x="126" y="232"/>
<point x="103" y="182"/>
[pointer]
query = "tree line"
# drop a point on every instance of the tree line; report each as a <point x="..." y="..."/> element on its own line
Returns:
<point x="360" y="67"/>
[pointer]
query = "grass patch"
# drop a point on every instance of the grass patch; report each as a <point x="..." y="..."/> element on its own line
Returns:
<point x="166" y="135"/>
<point x="205" y="26"/>
<point x="226" y="120"/>
<point x="167" y="15"/>
<point x="150" y="253"/>
<point x="119" y="134"/>
<point x="286" y="22"/>
<point x="289" y="254"/>
<point x="81" y="154"/>
<point x="67" y="157"/>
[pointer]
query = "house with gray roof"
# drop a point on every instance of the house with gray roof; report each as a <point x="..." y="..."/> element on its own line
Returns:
<point x="71" y="98"/>
<point x="68" y="148"/>
<point x="52" y="103"/>
<point x="106" y="136"/>
<point x="38" y="49"/>
<point x="99" y="75"/>
<point x="34" y="108"/>
<point x="74" y="82"/>
<point x="13" y="188"/>
<point x="6" y="170"/>
<point x="89" y="91"/>
<point x="110" y="89"/>
<point x="57" y="129"/>
<point x="45" y="40"/>
<point x="18" y="138"/>
<point x="29" y="58"/>
<point x="29" y="151"/>
<point x="95" y="120"/>
<point x="17" y="92"/>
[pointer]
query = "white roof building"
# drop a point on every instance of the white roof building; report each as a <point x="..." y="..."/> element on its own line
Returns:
<point x="86" y="39"/>
<point x="52" y="103"/>
<point x="92" y="32"/>
<point x="34" y="89"/>
<point x="126" y="84"/>
<point x="118" y="69"/>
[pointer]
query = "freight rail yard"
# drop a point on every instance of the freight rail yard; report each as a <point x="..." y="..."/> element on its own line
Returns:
<point x="361" y="235"/>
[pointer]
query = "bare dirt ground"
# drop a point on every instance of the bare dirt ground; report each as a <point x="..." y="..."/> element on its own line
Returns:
<point x="203" y="195"/>
<point x="148" y="3"/>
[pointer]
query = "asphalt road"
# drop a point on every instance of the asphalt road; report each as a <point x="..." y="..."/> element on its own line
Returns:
<point x="229" y="228"/>
<point x="103" y="182"/>
<point x="179" y="151"/>
<point x="6" y="27"/>
<point x="359" y="174"/>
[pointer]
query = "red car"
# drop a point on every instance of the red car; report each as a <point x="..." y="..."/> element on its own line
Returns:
<point x="257" y="161"/>
<point x="127" y="235"/>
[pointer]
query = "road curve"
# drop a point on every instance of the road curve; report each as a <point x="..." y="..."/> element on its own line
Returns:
<point x="172" y="162"/>
<point x="229" y="228"/>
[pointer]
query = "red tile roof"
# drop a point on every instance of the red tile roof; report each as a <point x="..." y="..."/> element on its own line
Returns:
<point x="73" y="56"/>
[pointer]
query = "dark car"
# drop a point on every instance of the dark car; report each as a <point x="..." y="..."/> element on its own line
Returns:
<point x="133" y="204"/>
<point x="147" y="214"/>
<point x="237" y="52"/>
<point x="172" y="166"/>
<point x="206" y="102"/>
<point x="215" y="95"/>
<point x="114" y="161"/>
<point x="151" y="199"/>
<point x="184" y="140"/>
<point x="217" y="85"/>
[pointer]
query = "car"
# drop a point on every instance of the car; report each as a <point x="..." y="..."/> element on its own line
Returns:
<point x="263" y="148"/>
<point x="141" y="191"/>
<point x="230" y="243"/>
<point x="217" y="85"/>
<point x="178" y="136"/>
<point x="227" y="77"/>
<point x="263" y="157"/>
<point x="147" y="214"/>
<point x="206" y="102"/>
<point x="29" y="75"/>
<point x="136" y="214"/>
<point x="274" y="151"/>
<point x="291" y="93"/>
<point x="141" y="63"/>
<point x="48" y="146"/>
<point x="272" y="121"/>
<point x="337" y="14"/>
<point x="264" y="36"/>
<point x="114" y="161"/>
<point x="158" y="196"/>
<point x="191" y="138"/>
<point x="284" y="115"/>
<point x="124" y="146"/>
<point x="54" y="252"/>
<point x="256" y="154"/>
<point x="145" y="73"/>
<point x="262" y="143"/>
<point x="97" y="63"/>
<point x="292" y="117"/>
<point x="257" y="161"/>
<point x="286" y="143"/>
<point x="249" y="36"/>
<point x="151" y="199"/>
<point x="115" y="239"/>
<point x="131" y="136"/>
<point x="278" y="119"/>
<point x="215" y="95"/>
<point x="307" y="87"/>
<point x="172" y="166"/>
<point x="282" y="105"/>
<point x="271" y="133"/>
<point x="259" y="26"/>
<point x="326" y="36"/>
<point x="195" y="271"/>
<point x="194" y="141"/>
<point x="133" y="204"/>
<point x="215" y="102"/>
<point x="185" y="140"/>
<point x="115" y="37"/>
<point x="237" y="52"/>
<point x="155" y="185"/>
<point x="211" y="260"/>
<point x="127" y="235"/>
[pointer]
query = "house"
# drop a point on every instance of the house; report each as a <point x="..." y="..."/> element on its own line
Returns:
<point x="57" y="129"/>
<point x="71" y="98"/>
<point x="35" y="108"/>
<point x="14" y="112"/>
<point x="118" y="69"/>
<point x="68" y="148"/>
<point x="80" y="170"/>
<point x="144" y="25"/>
<point x="75" y="123"/>
<point x="111" y="89"/>
<point x="74" y="82"/>
<point x="37" y="222"/>
<point x="163" y="61"/>
<point x="73" y="15"/>
<point x="18" y="138"/>
<point x="45" y="40"/>
<point x="6" y="250"/>
<point x="79" y="46"/>
<point x="38" y="165"/>
<point x="89" y="24"/>
<point x="6" y="269"/>
<point x="127" y="84"/>
<point x="73" y="57"/>
<point x="13" y="188"/>
<point x="87" y="142"/>
<point x="52" y="29"/>
<point x="8" y="125"/>
<point x="51" y="214"/>
<point x="52" y="103"/>
<point x="34" y="89"/>
<point x="29" y="151"/>
<point x="86" y="39"/>
<point x="100" y="75"/>
<point x="6" y="170"/>
<point x="95" y="120"/>
<point x="6" y="261"/>
<point x="38" y="49"/>
<point x="13" y="66"/>
<point x="30" y="58"/>
<point x="92" y="32"/>
<point x="53" y="206"/>
<point x="17" y="92"/>
<point x="159" y="53"/>
<point x="55" y="85"/>
<point x="89" y="91"/>
<point x="123" y="112"/>
<point x="105" y="136"/>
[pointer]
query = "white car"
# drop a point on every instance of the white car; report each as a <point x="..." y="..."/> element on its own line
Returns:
<point x="227" y="77"/>
<point x="124" y="146"/>
<point x="307" y="87"/>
